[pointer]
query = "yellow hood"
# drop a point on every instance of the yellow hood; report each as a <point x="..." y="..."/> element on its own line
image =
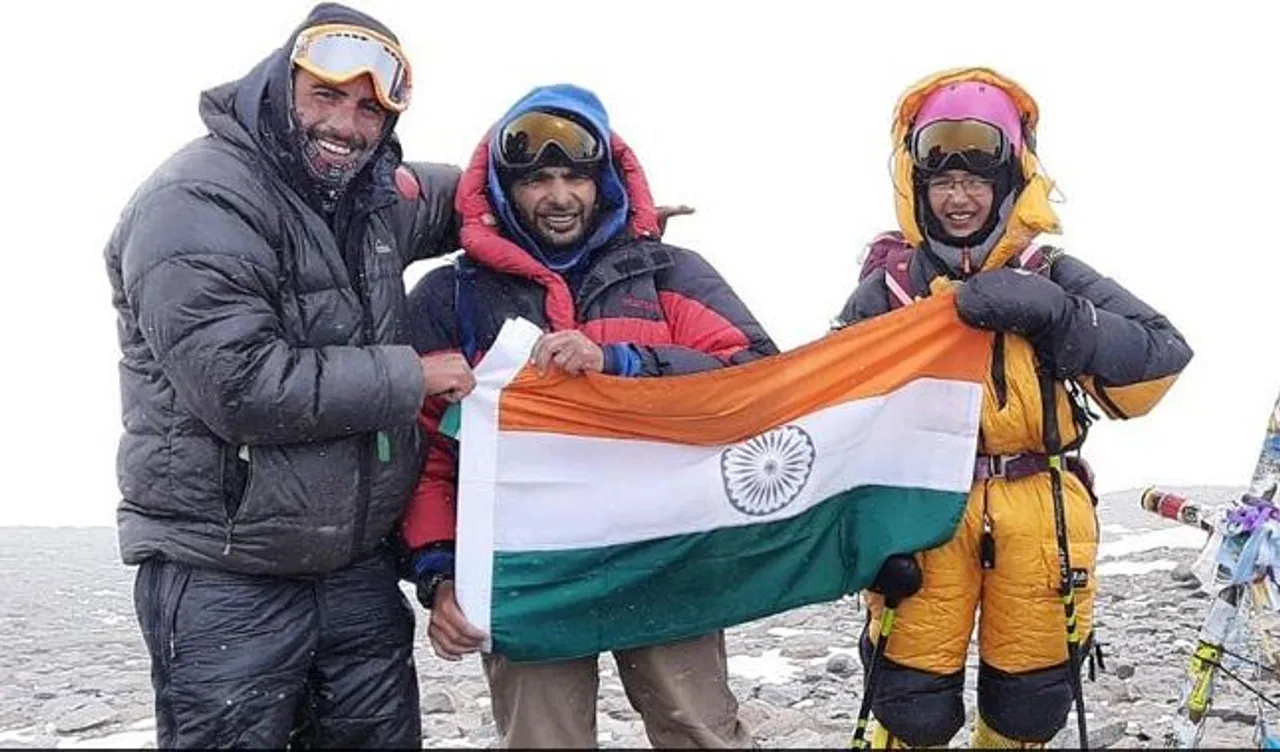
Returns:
<point x="1031" y="213"/>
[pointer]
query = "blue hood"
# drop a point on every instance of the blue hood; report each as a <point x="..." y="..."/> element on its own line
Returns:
<point x="612" y="202"/>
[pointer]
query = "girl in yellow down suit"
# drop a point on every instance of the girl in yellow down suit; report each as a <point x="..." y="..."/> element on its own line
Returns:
<point x="970" y="201"/>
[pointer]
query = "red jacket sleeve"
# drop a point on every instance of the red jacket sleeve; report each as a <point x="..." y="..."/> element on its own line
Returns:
<point x="431" y="514"/>
<point x="710" y="325"/>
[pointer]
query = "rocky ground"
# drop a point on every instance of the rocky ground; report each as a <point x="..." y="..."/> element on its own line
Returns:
<point x="75" y="673"/>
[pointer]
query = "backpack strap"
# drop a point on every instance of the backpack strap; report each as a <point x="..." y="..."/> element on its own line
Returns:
<point x="1028" y="258"/>
<point x="897" y="276"/>
<point x="891" y="252"/>
<point x="898" y="282"/>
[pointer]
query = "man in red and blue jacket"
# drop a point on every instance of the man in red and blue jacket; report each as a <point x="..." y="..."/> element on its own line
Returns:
<point x="559" y="227"/>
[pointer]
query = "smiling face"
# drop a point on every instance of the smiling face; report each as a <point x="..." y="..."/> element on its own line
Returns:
<point x="557" y="203"/>
<point x="339" y="125"/>
<point x="961" y="201"/>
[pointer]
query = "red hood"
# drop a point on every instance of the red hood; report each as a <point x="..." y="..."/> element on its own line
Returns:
<point x="481" y="240"/>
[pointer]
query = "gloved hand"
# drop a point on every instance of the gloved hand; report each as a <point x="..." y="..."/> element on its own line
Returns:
<point x="1062" y="327"/>
<point x="1012" y="300"/>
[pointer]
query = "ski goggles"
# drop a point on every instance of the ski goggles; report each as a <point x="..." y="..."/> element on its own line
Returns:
<point x="338" y="53"/>
<point x="523" y="141"/>
<point x="980" y="146"/>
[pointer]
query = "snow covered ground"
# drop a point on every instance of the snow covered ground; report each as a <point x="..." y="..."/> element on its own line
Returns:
<point x="76" y="674"/>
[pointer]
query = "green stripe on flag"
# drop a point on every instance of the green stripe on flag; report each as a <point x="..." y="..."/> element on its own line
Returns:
<point x="555" y="605"/>
<point x="451" y="420"/>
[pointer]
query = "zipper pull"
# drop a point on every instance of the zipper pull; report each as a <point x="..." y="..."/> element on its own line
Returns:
<point x="987" y="547"/>
<point x="384" y="447"/>
<point x="966" y="263"/>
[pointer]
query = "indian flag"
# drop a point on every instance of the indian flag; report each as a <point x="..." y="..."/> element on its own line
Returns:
<point x="599" y="513"/>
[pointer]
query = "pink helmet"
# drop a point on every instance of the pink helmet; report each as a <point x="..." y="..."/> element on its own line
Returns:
<point x="973" y="100"/>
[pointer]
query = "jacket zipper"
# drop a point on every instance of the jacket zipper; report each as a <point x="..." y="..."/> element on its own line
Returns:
<point x="364" y="483"/>
<point x="242" y="455"/>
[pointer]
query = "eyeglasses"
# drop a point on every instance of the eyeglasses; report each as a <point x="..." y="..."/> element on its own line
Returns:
<point x="338" y="53"/>
<point x="972" y="185"/>
<point x="523" y="140"/>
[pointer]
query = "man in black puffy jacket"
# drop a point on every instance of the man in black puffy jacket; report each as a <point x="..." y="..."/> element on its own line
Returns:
<point x="270" y="398"/>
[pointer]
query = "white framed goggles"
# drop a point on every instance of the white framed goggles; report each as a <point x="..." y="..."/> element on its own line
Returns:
<point x="338" y="53"/>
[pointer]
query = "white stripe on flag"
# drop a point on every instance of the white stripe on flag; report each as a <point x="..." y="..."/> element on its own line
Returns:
<point x="477" y="469"/>
<point x="565" y="492"/>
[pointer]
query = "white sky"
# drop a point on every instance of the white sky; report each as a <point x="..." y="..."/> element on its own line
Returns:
<point x="772" y="119"/>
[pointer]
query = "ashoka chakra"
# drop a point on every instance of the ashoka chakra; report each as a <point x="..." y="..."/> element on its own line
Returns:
<point x="765" y="473"/>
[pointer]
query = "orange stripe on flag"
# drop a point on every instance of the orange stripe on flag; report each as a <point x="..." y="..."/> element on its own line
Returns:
<point x="723" y="406"/>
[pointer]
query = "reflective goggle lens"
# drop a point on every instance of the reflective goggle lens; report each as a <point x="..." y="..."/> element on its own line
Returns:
<point x="524" y="139"/>
<point x="340" y="53"/>
<point x="980" y="145"/>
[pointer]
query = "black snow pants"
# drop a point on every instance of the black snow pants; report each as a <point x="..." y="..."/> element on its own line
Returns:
<point x="267" y="662"/>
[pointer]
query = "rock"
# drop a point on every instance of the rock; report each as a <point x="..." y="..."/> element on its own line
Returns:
<point x="766" y="721"/>
<point x="783" y="695"/>
<point x="1123" y="693"/>
<point x="89" y="715"/>
<point x="60" y="706"/>
<point x="792" y="619"/>
<point x="804" y="738"/>
<point x="1101" y="735"/>
<point x="743" y="688"/>
<point x="1182" y="573"/>
<point x="1123" y="671"/>
<point x="440" y="728"/>
<point x="38" y="742"/>
<point x="841" y="664"/>
<point x="617" y="728"/>
<point x="825" y="691"/>
<point x="805" y="646"/>
<point x="755" y="713"/>
<point x="622" y="712"/>
<point x="469" y="722"/>
<point x="438" y="701"/>
<point x="785" y="722"/>
<point x="1231" y="715"/>
<point x="1107" y="735"/>
<point x="813" y="674"/>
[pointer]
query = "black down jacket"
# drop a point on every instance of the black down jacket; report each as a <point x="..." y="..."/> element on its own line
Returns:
<point x="269" y="396"/>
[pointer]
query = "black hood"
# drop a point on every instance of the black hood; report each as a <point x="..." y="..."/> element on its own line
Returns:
<point x="255" y="111"/>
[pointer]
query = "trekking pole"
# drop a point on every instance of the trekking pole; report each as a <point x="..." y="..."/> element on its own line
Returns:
<point x="1053" y="447"/>
<point x="899" y="578"/>
<point x="1068" y="593"/>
